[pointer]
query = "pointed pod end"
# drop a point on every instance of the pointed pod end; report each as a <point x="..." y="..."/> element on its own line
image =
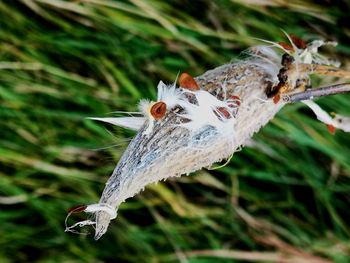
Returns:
<point x="103" y="219"/>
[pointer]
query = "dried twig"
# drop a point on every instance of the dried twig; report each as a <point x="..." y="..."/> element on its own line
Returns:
<point x="310" y="94"/>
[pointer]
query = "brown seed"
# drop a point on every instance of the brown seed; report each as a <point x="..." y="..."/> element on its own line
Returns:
<point x="236" y="99"/>
<point x="331" y="128"/>
<point x="226" y="114"/>
<point x="158" y="110"/>
<point x="186" y="81"/>
<point x="76" y="209"/>
<point x="298" y="42"/>
<point x="286" y="46"/>
<point x="276" y="98"/>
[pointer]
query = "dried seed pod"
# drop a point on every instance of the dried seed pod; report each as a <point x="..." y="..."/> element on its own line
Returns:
<point x="186" y="81"/>
<point x="208" y="129"/>
<point x="158" y="110"/>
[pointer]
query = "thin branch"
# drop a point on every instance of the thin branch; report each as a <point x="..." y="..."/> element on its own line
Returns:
<point x="316" y="93"/>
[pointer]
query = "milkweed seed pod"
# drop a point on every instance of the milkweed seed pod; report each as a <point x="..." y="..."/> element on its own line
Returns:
<point x="206" y="119"/>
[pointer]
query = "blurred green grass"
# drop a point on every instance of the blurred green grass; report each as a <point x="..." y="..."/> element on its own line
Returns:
<point x="62" y="61"/>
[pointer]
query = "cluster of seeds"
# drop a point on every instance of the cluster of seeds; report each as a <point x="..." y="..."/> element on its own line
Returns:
<point x="186" y="81"/>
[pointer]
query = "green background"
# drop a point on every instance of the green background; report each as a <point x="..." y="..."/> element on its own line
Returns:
<point x="62" y="61"/>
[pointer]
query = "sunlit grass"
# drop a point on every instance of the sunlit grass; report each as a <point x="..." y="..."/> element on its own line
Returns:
<point x="62" y="61"/>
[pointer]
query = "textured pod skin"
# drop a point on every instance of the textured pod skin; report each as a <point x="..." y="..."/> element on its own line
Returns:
<point x="249" y="82"/>
<point x="166" y="151"/>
